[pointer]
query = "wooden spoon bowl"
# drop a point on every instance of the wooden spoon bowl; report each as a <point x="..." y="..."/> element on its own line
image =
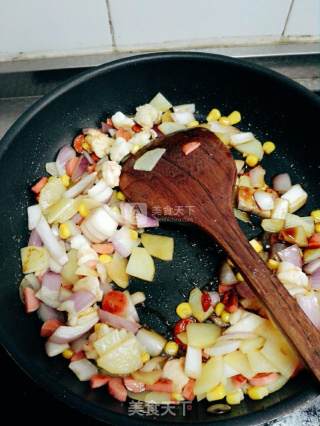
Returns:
<point x="198" y="188"/>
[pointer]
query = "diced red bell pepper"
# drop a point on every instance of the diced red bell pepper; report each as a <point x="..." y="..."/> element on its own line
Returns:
<point x="134" y="385"/>
<point x="31" y="302"/>
<point x="49" y="327"/>
<point x="136" y="128"/>
<point x="206" y="301"/>
<point x="94" y="157"/>
<point x="230" y="301"/>
<point x="187" y="391"/>
<point x="263" y="379"/>
<point x="314" y="241"/>
<point x="162" y="385"/>
<point x="181" y="325"/>
<point x="117" y="389"/>
<point x="78" y="142"/>
<point x="115" y="302"/>
<point x="99" y="380"/>
<point x="238" y="380"/>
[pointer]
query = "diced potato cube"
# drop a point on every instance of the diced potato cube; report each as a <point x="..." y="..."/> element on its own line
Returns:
<point x="116" y="270"/>
<point x="249" y="345"/>
<point x="239" y="362"/>
<point x="158" y="246"/>
<point x="141" y="264"/>
<point x="110" y="340"/>
<point x="202" y="335"/>
<point x="259" y="364"/>
<point x="34" y="259"/>
<point x="211" y="376"/>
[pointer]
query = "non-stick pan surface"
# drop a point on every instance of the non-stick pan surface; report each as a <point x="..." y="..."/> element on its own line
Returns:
<point x="272" y="106"/>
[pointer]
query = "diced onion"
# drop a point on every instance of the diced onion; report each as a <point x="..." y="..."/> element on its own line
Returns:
<point x="240" y="138"/>
<point x="80" y="186"/>
<point x="281" y="183"/>
<point x="264" y="200"/>
<point x="310" y="305"/>
<point x="226" y="275"/>
<point x="292" y="255"/>
<point x="151" y="341"/>
<point x="296" y="197"/>
<point x="83" y="369"/>
<point x="193" y="362"/>
<point x="256" y="176"/>
<point x="272" y="225"/>
<point x="149" y="160"/>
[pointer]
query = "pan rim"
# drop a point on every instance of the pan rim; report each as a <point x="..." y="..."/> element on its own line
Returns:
<point x="72" y="399"/>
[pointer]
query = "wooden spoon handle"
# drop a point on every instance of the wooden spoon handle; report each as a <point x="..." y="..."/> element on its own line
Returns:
<point x="282" y="306"/>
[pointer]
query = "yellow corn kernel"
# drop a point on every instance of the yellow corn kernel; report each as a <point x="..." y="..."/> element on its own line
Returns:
<point x="192" y="124"/>
<point x="234" y="117"/>
<point x="133" y="234"/>
<point x="225" y="316"/>
<point x="234" y="398"/>
<point x="177" y="396"/>
<point x="239" y="277"/>
<point x="171" y="348"/>
<point x="166" y="117"/>
<point x="214" y="115"/>
<point x="120" y="196"/>
<point x="86" y="146"/>
<point x="315" y="214"/>
<point x="145" y="357"/>
<point x="105" y="258"/>
<point x="219" y="308"/>
<point x="256" y="245"/>
<point x="219" y="392"/>
<point x="257" y="392"/>
<point x="268" y="147"/>
<point x="64" y="231"/>
<point x="273" y="264"/>
<point x="67" y="353"/>
<point x="184" y="310"/>
<point x="252" y="160"/>
<point x="83" y="210"/>
<point x="135" y="149"/>
<point x="97" y="326"/>
<point x="65" y="179"/>
<point x="317" y="227"/>
<point x="224" y="121"/>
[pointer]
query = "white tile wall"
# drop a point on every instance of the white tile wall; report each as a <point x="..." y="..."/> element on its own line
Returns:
<point x="46" y="26"/>
<point x="149" y="22"/>
<point x="304" y="18"/>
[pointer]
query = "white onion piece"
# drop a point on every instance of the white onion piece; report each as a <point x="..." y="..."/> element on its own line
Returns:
<point x="239" y="165"/>
<point x="128" y="214"/>
<point x="310" y="305"/>
<point x="51" y="169"/>
<point x="182" y="117"/>
<point x="34" y="216"/>
<point x="149" y="160"/>
<point x="257" y="176"/>
<point x="118" y="322"/>
<point x="100" y="192"/>
<point x="214" y="296"/>
<point x="34" y="239"/>
<point x="66" y="334"/>
<point x="311" y="267"/>
<point x="292" y="276"/>
<point x="241" y="215"/>
<point x="31" y="281"/>
<point x="51" y="242"/>
<point x="223" y="347"/>
<point x="296" y="197"/>
<point x="292" y="255"/>
<point x="264" y="200"/>
<point x="80" y="186"/>
<point x="138" y="297"/>
<point x="99" y="225"/>
<point x="185" y="108"/>
<point x="65" y="154"/>
<point x="46" y="313"/>
<point x="314" y="280"/>
<point x="122" y="241"/>
<point x="169" y="127"/>
<point x="50" y="289"/>
<point x="54" y="266"/>
<point x="216" y="127"/>
<point x="54" y="349"/>
<point x="237" y="336"/>
<point x="240" y="138"/>
<point x="80" y="168"/>
<point x="160" y="103"/>
<point x="193" y="362"/>
<point x="281" y="183"/>
<point x="131" y="312"/>
<point x="79" y="301"/>
<point x="226" y="275"/>
<point x="152" y="342"/>
<point x="280" y="210"/>
<point x="83" y="369"/>
<point x="144" y="221"/>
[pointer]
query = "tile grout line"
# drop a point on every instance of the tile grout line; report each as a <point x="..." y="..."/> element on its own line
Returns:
<point x="113" y="37"/>
<point x="287" y="18"/>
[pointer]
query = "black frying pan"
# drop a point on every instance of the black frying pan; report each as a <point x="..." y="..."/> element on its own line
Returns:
<point x="272" y="106"/>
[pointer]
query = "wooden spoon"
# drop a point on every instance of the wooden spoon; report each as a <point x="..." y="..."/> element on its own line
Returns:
<point x="198" y="188"/>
